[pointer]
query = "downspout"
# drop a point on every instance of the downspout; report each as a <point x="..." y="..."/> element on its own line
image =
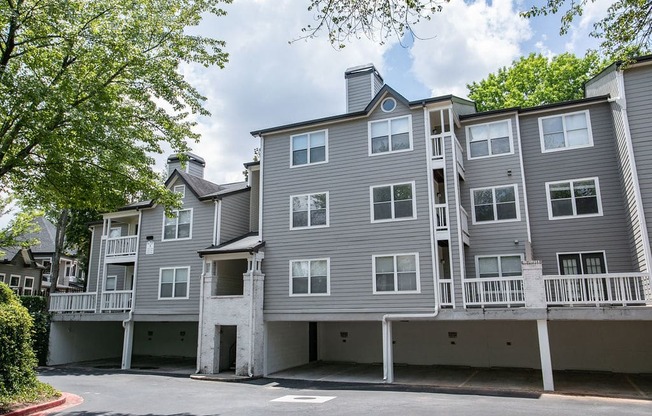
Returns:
<point x="388" y="359"/>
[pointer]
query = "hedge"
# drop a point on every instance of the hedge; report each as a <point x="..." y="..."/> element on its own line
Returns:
<point x="38" y="310"/>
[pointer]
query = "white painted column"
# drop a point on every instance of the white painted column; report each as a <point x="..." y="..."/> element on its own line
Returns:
<point x="127" y="345"/>
<point x="533" y="285"/>
<point x="388" y="352"/>
<point x="544" y="352"/>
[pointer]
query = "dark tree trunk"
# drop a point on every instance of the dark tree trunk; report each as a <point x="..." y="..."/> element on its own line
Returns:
<point x="60" y="238"/>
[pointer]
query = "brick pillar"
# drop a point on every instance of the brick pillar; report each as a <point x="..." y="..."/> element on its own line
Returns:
<point x="535" y="291"/>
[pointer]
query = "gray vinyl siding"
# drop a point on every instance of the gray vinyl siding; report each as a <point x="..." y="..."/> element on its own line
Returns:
<point x="607" y="232"/>
<point x="452" y="180"/>
<point x="463" y="109"/>
<point x="638" y="90"/>
<point x="359" y="92"/>
<point x="195" y="169"/>
<point x="21" y="270"/>
<point x="492" y="238"/>
<point x="378" y="84"/>
<point x="351" y="239"/>
<point x="120" y="272"/>
<point x="254" y="202"/>
<point x="605" y="84"/>
<point x="172" y="253"/>
<point x="95" y="255"/>
<point x="235" y="216"/>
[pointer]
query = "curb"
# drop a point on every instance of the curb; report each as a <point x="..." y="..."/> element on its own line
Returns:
<point x="38" y="407"/>
<point x="225" y="379"/>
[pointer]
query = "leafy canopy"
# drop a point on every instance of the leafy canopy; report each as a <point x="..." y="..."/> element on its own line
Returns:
<point x="535" y="80"/>
<point x="90" y="89"/>
<point x="625" y="32"/>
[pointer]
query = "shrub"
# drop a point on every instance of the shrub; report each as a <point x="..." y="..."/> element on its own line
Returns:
<point x="17" y="360"/>
<point x="37" y="308"/>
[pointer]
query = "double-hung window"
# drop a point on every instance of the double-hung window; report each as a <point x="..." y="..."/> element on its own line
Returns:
<point x="14" y="281"/>
<point x="309" y="211"/>
<point x="574" y="198"/>
<point x="392" y="135"/>
<point x="393" y="202"/>
<point x="489" y="139"/>
<point x="499" y="203"/>
<point x="565" y="131"/>
<point x="396" y="273"/>
<point x="309" y="277"/>
<point x="498" y="266"/>
<point x="309" y="148"/>
<point x="28" y="286"/>
<point x="173" y="283"/>
<point x="178" y="226"/>
<point x="111" y="283"/>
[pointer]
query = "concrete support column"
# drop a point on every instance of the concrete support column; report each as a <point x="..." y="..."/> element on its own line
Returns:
<point x="544" y="352"/>
<point x="535" y="291"/>
<point x="127" y="345"/>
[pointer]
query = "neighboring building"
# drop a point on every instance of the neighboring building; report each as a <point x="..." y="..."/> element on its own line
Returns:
<point x="416" y="232"/>
<point x="143" y="291"/>
<point x="69" y="273"/>
<point x="21" y="272"/>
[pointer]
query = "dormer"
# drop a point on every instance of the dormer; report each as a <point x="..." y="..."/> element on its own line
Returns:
<point x="194" y="165"/>
<point x="362" y="84"/>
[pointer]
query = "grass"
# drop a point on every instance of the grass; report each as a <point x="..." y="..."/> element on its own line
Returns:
<point x="39" y="393"/>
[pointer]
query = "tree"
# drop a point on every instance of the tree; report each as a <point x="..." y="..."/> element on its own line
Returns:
<point x="535" y="80"/>
<point x="377" y="20"/>
<point x="89" y="89"/>
<point x="21" y="224"/>
<point x="625" y="32"/>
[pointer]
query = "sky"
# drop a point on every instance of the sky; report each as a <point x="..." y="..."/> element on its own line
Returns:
<point x="269" y="81"/>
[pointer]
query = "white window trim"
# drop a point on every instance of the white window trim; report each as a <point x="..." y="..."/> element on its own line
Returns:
<point x="328" y="278"/>
<point x="388" y="99"/>
<point x="516" y="197"/>
<point x="604" y="256"/>
<point x="30" y="287"/>
<point x="469" y="141"/>
<point x="116" y="283"/>
<point x="395" y="291"/>
<point x="3" y="276"/>
<point x="414" y="202"/>
<point x="390" y="151"/>
<point x="160" y="277"/>
<point x="180" y="189"/>
<point x="574" y="216"/>
<point x="308" y="163"/>
<point x="563" y="120"/>
<point x="498" y="256"/>
<point x="177" y="218"/>
<point x="308" y="227"/>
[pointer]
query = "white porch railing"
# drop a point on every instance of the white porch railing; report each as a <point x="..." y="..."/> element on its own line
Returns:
<point x="441" y="217"/>
<point x="464" y="219"/>
<point x="72" y="302"/>
<point x="459" y="156"/>
<point x="446" y="292"/>
<point x="122" y="246"/>
<point x="437" y="143"/>
<point x="598" y="289"/>
<point x="116" y="300"/>
<point x="506" y="291"/>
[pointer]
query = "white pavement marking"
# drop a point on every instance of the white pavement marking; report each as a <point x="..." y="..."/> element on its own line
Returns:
<point x="304" y="399"/>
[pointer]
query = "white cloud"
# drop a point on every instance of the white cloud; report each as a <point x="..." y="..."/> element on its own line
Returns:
<point x="267" y="82"/>
<point x="472" y="40"/>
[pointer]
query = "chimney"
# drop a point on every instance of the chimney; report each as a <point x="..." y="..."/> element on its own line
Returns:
<point x="194" y="165"/>
<point x="362" y="84"/>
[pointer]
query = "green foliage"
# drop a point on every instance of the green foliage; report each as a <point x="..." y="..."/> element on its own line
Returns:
<point x="89" y="89"/>
<point x="377" y="20"/>
<point x="625" y="32"/>
<point x="17" y="360"/>
<point x="22" y="224"/>
<point x="38" y="310"/>
<point x="38" y="393"/>
<point x="535" y="80"/>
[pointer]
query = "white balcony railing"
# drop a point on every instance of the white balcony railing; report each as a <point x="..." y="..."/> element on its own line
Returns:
<point x="122" y="246"/>
<point x="598" y="289"/>
<point x="116" y="300"/>
<point x="506" y="291"/>
<point x="72" y="302"/>
<point x="441" y="217"/>
<point x="437" y="143"/>
<point x="459" y="156"/>
<point x="464" y="219"/>
<point x="446" y="292"/>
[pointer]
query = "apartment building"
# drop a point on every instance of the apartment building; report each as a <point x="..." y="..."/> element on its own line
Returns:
<point x="144" y="280"/>
<point x="403" y="232"/>
<point x="423" y="232"/>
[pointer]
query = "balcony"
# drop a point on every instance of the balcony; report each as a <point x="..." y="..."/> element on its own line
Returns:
<point x="437" y="144"/>
<point x="446" y="292"/>
<point x="459" y="156"/>
<point x="441" y="217"/>
<point x="611" y="289"/>
<point x="113" y="301"/>
<point x="121" y="246"/>
<point x="506" y="291"/>
<point x="464" y="219"/>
